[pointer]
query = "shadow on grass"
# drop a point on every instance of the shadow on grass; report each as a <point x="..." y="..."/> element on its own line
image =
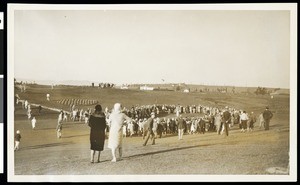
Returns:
<point x="46" y="145"/>
<point x="45" y="128"/>
<point x="168" y="150"/>
<point x="76" y="136"/>
<point x="176" y="135"/>
<point x="74" y="123"/>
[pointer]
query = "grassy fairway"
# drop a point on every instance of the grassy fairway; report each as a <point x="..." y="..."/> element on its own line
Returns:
<point x="41" y="153"/>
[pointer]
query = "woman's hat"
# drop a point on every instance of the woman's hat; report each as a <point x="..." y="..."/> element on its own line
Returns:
<point x="117" y="107"/>
<point x="98" y="108"/>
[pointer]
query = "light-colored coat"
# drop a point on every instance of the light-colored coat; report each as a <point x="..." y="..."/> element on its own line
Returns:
<point x="115" y="122"/>
<point x="261" y="120"/>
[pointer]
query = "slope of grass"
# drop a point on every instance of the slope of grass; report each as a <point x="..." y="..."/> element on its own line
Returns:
<point x="108" y="97"/>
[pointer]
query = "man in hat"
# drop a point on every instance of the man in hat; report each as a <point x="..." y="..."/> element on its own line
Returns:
<point x="17" y="140"/>
<point x="180" y="127"/>
<point x="244" y="119"/>
<point x="267" y="114"/>
<point x="226" y="117"/>
<point x="150" y="129"/>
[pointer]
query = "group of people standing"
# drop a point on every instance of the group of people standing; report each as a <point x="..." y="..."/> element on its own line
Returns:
<point x="98" y="122"/>
<point x="247" y="120"/>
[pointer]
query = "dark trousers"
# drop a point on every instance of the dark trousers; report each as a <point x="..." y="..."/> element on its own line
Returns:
<point x="226" y="128"/>
<point x="267" y="123"/>
<point x="244" y="124"/>
<point x="150" y="133"/>
<point x="220" y="128"/>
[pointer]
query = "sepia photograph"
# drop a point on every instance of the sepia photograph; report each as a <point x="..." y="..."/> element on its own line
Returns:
<point x="152" y="93"/>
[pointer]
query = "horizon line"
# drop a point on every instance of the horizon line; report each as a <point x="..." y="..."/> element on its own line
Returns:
<point x="84" y="83"/>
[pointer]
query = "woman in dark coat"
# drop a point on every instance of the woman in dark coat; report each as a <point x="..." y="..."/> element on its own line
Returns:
<point x="97" y="135"/>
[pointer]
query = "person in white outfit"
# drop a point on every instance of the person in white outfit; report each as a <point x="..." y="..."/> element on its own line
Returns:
<point x="261" y="121"/>
<point x="33" y="122"/>
<point x="17" y="140"/>
<point x="59" y="125"/>
<point x="130" y="128"/>
<point x="124" y="130"/>
<point x="115" y="122"/>
<point x="217" y="123"/>
<point x="243" y="119"/>
<point x="48" y="97"/>
<point x="26" y="104"/>
<point x="29" y="113"/>
<point x="65" y="117"/>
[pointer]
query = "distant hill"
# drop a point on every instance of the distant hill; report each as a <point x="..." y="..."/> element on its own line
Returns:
<point x="62" y="95"/>
<point x="50" y="82"/>
<point x="204" y="88"/>
<point x="280" y="91"/>
<point x="166" y="86"/>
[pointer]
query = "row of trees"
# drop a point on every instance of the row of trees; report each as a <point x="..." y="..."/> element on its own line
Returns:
<point x="262" y="91"/>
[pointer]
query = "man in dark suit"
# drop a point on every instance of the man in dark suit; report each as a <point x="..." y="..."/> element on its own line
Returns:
<point x="226" y="120"/>
<point x="150" y="130"/>
<point x="267" y="114"/>
<point x="181" y="124"/>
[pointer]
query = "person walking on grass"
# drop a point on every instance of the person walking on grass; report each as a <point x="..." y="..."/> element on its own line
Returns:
<point x="226" y="118"/>
<point x="17" y="140"/>
<point x="218" y="123"/>
<point x="261" y="120"/>
<point x="59" y="125"/>
<point x="97" y="123"/>
<point x="267" y="114"/>
<point x="244" y="119"/>
<point x="33" y="123"/>
<point x="150" y="122"/>
<point x="251" y="121"/>
<point x="180" y="127"/>
<point x="115" y="123"/>
<point x="59" y="130"/>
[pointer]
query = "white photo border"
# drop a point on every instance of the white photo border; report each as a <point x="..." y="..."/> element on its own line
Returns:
<point x="292" y="7"/>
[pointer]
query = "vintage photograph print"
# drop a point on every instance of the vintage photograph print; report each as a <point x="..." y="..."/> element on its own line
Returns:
<point x="152" y="93"/>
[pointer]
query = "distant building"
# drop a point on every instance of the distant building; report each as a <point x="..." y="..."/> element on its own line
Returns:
<point x="124" y="87"/>
<point x="280" y="91"/>
<point x="146" y="88"/>
<point x="186" y="90"/>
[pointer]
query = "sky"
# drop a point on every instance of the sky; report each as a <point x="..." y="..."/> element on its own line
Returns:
<point x="212" y="47"/>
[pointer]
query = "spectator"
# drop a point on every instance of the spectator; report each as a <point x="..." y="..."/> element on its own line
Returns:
<point x="48" y="97"/>
<point x="97" y="124"/>
<point x="17" y="140"/>
<point x="59" y="125"/>
<point x="180" y="127"/>
<point x="226" y="120"/>
<point x="261" y="120"/>
<point x="244" y="119"/>
<point x="115" y="122"/>
<point x="33" y="123"/>
<point x="252" y="120"/>
<point x="150" y="132"/>
<point x="267" y="114"/>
